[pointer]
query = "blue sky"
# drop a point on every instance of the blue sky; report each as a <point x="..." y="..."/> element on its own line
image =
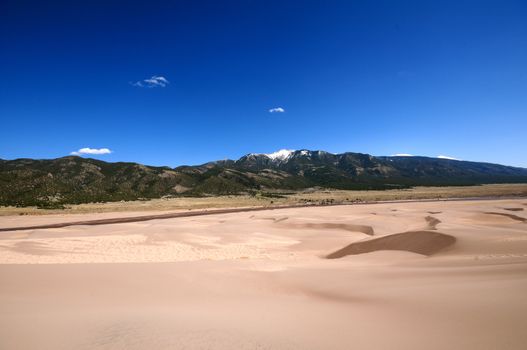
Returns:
<point x="380" y="77"/>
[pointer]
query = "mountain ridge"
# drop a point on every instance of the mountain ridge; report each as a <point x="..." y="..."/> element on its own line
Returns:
<point x="74" y="179"/>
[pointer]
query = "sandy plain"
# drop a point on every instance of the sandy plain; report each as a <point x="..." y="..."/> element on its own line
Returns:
<point x="434" y="275"/>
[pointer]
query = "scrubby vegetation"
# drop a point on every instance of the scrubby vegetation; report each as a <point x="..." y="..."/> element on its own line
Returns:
<point x="73" y="180"/>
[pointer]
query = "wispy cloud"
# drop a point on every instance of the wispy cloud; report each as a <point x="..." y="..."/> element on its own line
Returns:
<point x="402" y="155"/>
<point x="447" y="157"/>
<point x="154" y="81"/>
<point x="277" y="110"/>
<point x="88" y="150"/>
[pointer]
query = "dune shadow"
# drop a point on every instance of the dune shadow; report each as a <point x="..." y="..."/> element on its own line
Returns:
<point x="420" y="242"/>
<point x="513" y="209"/>
<point x="368" y="230"/>
<point x="274" y="219"/>
<point x="432" y="222"/>
<point x="510" y="216"/>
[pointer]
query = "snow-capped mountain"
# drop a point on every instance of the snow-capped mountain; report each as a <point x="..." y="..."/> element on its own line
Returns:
<point x="280" y="155"/>
<point x="282" y="158"/>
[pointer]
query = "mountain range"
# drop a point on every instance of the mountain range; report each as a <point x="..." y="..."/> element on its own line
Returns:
<point x="74" y="179"/>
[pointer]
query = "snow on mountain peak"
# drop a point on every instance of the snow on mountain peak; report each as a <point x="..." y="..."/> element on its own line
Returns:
<point x="280" y="155"/>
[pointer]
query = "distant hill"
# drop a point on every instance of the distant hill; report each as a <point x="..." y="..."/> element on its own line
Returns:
<point x="79" y="180"/>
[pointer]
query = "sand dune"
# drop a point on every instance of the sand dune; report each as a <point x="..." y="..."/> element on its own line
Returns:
<point x="261" y="280"/>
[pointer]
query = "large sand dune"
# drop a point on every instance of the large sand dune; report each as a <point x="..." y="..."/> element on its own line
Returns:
<point x="433" y="275"/>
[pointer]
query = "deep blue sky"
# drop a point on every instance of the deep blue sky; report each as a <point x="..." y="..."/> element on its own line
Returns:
<point x="379" y="77"/>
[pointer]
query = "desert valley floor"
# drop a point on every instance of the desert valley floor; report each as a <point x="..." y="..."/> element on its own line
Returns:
<point x="416" y="275"/>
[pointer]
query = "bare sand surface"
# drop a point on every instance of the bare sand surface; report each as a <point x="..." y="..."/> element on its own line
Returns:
<point x="432" y="275"/>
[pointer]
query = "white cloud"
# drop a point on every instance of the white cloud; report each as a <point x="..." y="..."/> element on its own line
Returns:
<point x="154" y="81"/>
<point x="447" y="157"/>
<point x="277" y="110"/>
<point x="88" y="150"/>
<point x="402" y="155"/>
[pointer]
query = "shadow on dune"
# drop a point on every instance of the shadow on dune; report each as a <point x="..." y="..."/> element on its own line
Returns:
<point x="514" y="209"/>
<point x="510" y="216"/>
<point x="432" y="222"/>
<point x="421" y="242"/>
<point x="278" y="219"/>
<point x="368" y="230"/>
